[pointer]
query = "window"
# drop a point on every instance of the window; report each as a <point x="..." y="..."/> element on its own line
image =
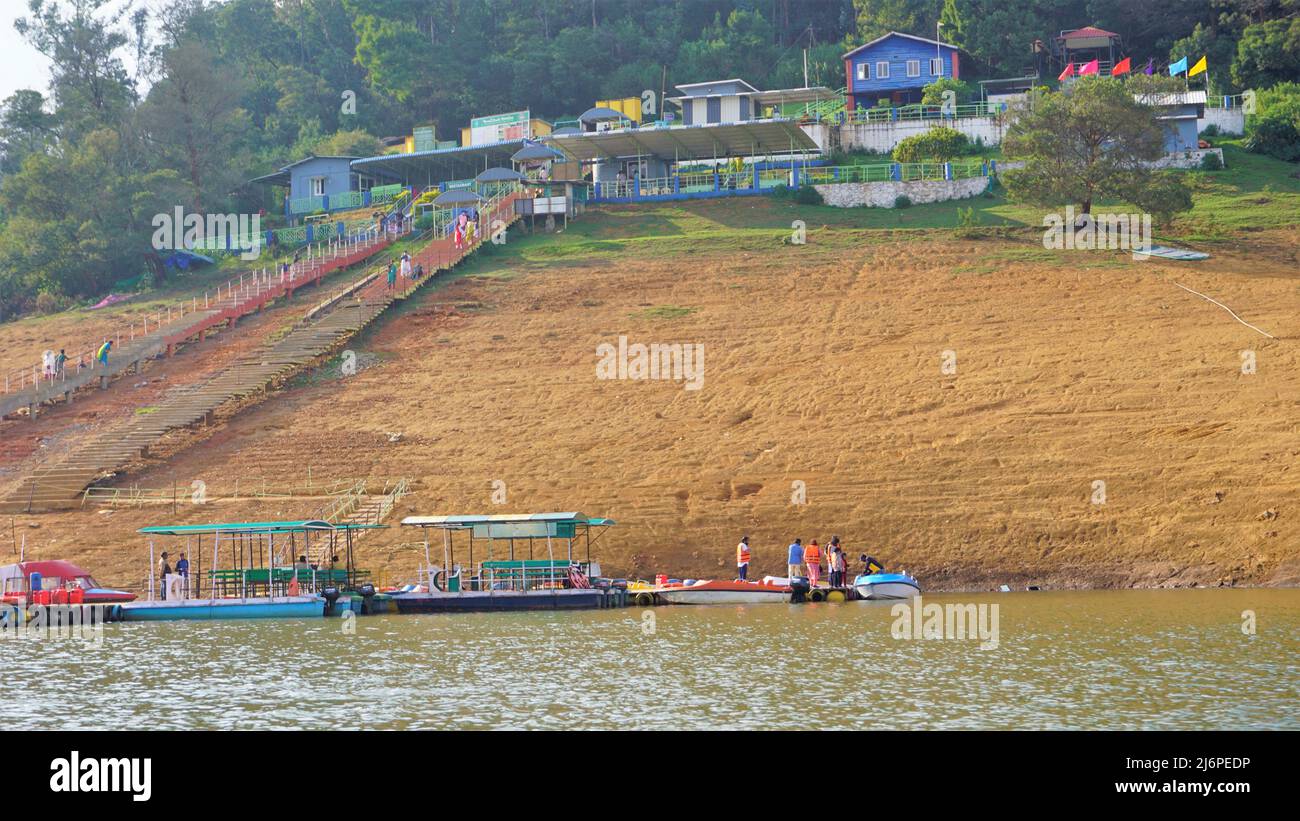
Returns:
<point x="864" y="72"/>
<point x="882" y="70"/>
<point x="936" y="67"/>
<point x="317" y="186"/>
<point x="913" y="68"/>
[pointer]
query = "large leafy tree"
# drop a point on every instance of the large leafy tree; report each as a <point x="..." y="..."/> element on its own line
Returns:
<point x="91" y="87"/>
<point x="193" y="120"/>
<point x="1093" y="141"/>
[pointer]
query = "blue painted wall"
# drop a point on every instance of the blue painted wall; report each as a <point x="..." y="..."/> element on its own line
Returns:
<point x="897" y="51"/>
<point x="337" y="172"/>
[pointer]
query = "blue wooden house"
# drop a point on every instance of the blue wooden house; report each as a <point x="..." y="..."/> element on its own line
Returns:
<point x="1178" y="112"/>
<point x="896" y="67"/>
<point x="326" y="183"/>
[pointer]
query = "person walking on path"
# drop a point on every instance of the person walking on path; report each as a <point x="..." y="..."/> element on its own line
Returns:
<point x="794" y="561"/>
<point x="392" y="275"/>
<point x="60" y="362"/>
<point x="406" y="265"/>
<point x="102" y="353"/>
<point x="742" y="558"/>
<point x="812" y="556"/>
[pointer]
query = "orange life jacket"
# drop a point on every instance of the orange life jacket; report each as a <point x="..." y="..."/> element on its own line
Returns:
<point x="812" y="554"/>
<point x="742" y="553"/>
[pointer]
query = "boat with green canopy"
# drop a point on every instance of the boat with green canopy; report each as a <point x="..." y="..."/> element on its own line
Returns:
<point x="276" y="569"/>
<point x="532" y="561"/>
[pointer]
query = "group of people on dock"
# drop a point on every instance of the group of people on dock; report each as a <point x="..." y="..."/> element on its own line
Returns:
<point x="811" y="556"/>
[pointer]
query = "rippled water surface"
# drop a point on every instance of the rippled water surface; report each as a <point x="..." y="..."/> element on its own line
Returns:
<point x="1122" y="659"/>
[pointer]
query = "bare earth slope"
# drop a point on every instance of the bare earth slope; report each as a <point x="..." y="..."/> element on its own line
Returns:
<point x="822" y="383"/>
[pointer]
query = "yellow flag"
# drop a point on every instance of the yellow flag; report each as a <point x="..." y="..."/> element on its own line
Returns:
<point x="1198" y="68"/>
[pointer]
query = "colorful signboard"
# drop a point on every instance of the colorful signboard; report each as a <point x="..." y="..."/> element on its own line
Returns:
<point x="499" y="128"/>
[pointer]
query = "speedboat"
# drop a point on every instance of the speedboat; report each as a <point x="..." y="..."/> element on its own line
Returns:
<point x="721" y="592"/>
<point x="886" y="586"/>
<point x="56" y="579"/>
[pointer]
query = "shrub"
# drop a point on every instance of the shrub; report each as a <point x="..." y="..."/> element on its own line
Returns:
<point x="807" y="195"/>
<point x="1211" y="162"/>
<point x="1275" y="130"/>
<point x="902" y="201"/>
<point x="939" y="144"/>
<point x="50" y="303"/>
<point x="424" y="222"/>
<point x="1210" y="130"/>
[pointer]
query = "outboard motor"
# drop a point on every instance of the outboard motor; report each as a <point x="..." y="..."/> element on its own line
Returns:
<point x="799" y="588"/>
<point x="367" y="592"/>
<point x="331" y="597"/>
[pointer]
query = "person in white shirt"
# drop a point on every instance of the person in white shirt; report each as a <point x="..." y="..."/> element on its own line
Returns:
<point x="742" y="558"/>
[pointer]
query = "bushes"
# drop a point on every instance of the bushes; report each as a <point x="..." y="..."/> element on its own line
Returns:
<point x="1275" y="130"/>
<point x="803" y="195"/>
<point x="902" y="201"/>
<point x="939" y="144"/>
<point x="1211" y="162"/>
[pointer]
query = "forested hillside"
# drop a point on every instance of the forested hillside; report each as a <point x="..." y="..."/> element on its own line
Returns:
<point x="220" y="92"/>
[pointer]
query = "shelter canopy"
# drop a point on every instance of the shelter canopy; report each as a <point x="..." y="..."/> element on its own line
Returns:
<point x="254" y="527"/>
<point x="691" y="142"/>
<point x="439" y="165"/>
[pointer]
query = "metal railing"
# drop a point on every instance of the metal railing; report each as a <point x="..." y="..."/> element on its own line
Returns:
<point x="250" y="286"/>
<point x="919" y="111"/>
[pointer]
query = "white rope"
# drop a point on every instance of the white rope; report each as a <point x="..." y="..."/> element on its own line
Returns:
<point x="1226" y="308"/>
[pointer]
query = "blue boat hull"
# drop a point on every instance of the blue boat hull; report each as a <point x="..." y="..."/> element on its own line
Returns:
<point x="886" y="586"/>
<point x="206" y="610"/>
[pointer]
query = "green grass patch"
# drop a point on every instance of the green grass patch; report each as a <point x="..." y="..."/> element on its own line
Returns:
<point x="663" y="312"/>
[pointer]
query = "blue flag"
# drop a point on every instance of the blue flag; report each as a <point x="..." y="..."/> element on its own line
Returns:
<point x="1178" y="68"/>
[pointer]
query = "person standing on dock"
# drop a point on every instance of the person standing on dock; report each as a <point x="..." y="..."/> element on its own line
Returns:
<point x="835" y="566"/>
<point x="164" y="570"/>
<point x="812" y="556"/>
<point x="794" y="561"/>
<point x="742" y="558"/>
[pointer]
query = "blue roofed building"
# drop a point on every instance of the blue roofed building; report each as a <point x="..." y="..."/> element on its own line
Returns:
<point x="896" y="67"/>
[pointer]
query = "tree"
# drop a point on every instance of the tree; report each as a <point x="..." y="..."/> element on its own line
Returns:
<point x="91" y="88"/>
<point x="26" y="128"/>
<point x="192" y="117"/>
<point x="1275" y="128"/>
<point x="1089" y="142"/>
<point x="1268" y="53"/>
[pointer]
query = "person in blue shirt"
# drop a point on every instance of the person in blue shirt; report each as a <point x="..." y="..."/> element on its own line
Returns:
<point x="795" y="559"/>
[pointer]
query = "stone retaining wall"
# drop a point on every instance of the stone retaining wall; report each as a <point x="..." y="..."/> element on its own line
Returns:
<point x="883" y="194"/>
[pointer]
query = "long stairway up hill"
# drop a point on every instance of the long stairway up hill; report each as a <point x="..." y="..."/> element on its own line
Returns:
<point x="61" y="484"/>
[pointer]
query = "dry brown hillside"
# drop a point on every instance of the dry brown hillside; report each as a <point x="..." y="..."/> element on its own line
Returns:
<point x="822" y="367"/>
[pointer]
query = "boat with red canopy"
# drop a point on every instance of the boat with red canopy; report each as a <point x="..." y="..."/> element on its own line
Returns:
<point x="54" y="579"/>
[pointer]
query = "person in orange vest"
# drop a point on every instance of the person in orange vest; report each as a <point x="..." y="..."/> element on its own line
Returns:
<point x="742" y="558"/>
<point x="812" y="556"/>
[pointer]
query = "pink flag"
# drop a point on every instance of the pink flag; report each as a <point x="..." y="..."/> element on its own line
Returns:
<point x="1069" y="71"/>
<point x="1089" y="68"/>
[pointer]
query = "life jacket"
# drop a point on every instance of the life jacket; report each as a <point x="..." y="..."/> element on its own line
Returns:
<point x="742" y="553"/>
<point x="812" y="554"/>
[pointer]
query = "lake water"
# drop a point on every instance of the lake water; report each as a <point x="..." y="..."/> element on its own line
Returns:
<point x="1174" y="659"/>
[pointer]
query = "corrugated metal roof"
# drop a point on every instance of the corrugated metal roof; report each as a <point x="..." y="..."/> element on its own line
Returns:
<point x="469" y="520"/>
<point x="690" y="142"/>
<point x="253" y="527"/>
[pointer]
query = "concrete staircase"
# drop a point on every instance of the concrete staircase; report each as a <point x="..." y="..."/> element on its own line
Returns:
<point x="322" y="331"/>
